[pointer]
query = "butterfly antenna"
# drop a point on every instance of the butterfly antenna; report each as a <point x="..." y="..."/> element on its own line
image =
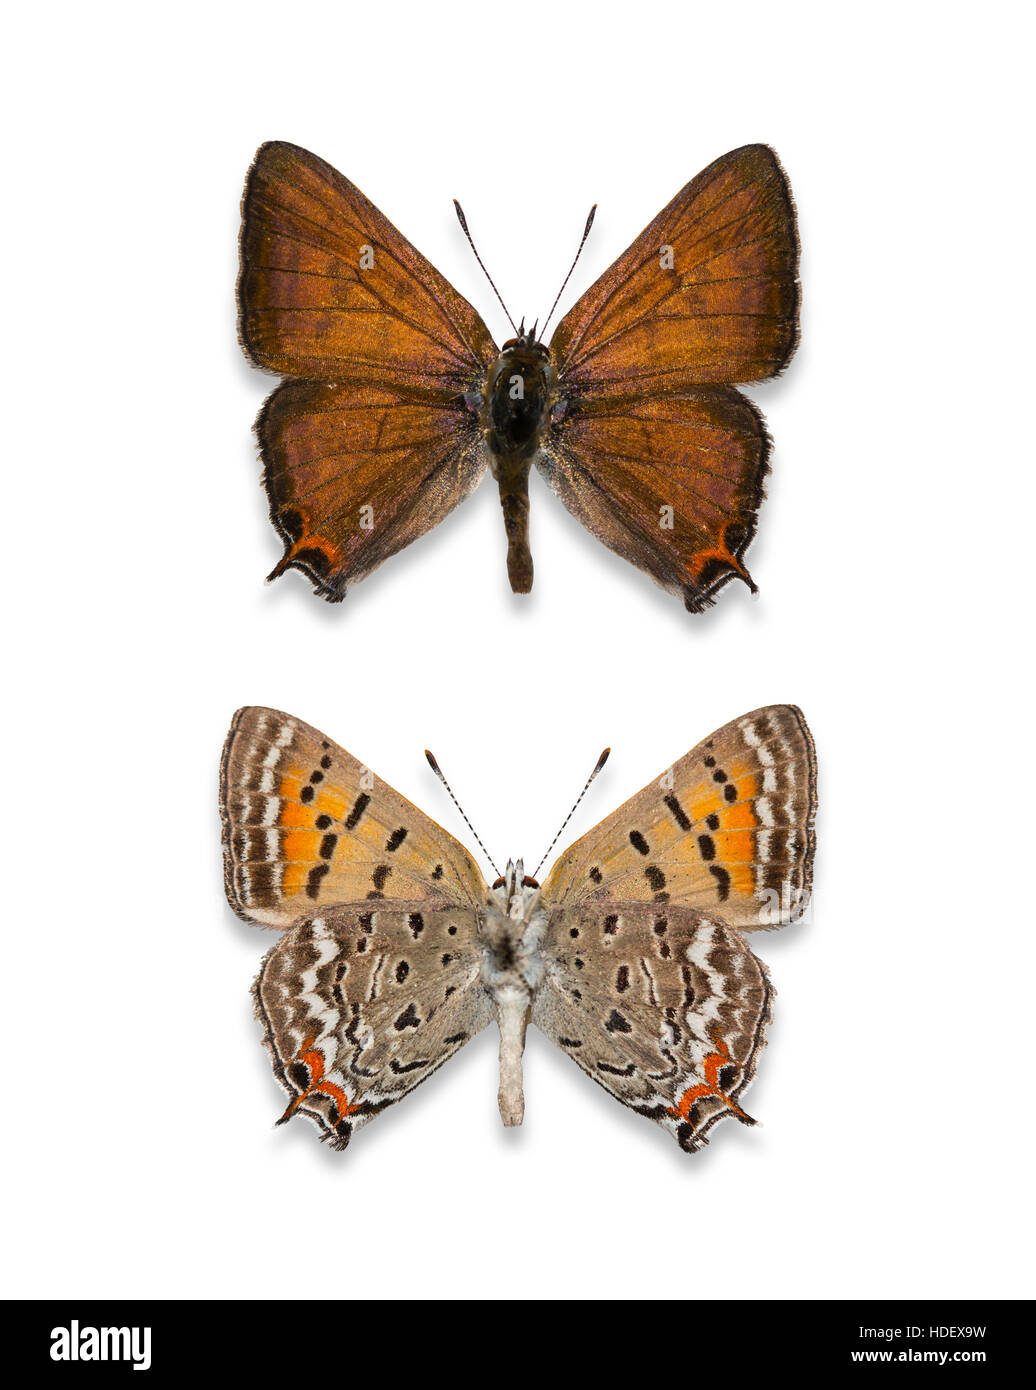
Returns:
<point x="464" y="223"/>
<point x="561" y="291"/>
<point x="438" y="772"/>
<point x="600" y="763"/>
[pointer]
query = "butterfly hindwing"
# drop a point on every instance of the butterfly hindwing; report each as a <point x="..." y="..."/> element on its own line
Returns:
<point x="305" y="825"/>
<point x="670" y="483"/>
<point x="362" y="1002"/>
<point x="727" y="829"/>
<point x="663" y="1006"/>
<point x="354" y="472"/>
<point x="374" y="445"/>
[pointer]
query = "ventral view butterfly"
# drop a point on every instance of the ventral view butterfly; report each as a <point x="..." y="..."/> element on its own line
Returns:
<point x="397" y="398"/>
<point x="630" y="957"/>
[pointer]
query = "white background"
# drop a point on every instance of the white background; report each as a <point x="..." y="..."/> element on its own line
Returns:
<point x="894" y="1156"/>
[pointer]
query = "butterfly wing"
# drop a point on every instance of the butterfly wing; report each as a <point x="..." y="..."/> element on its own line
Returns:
<point x="664" y="1007"/>
<point x="672" y="484"/>
<point x="354" y="472"/>
<point x="306" y="825"/>
<point x="330" y="292"/>
<point x="362" y="1002"/>
<point x="706" y="296"/>
<point x="728" y="829"/>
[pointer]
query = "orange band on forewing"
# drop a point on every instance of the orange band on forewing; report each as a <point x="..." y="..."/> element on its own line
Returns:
<point x="300" y="845"/>
<point x="294" y="814"/>
<point x="293" y="879"/>
<point x="332" y="803"/>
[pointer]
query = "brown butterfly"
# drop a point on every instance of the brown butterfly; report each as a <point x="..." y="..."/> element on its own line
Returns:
<point x="399" y="398"/>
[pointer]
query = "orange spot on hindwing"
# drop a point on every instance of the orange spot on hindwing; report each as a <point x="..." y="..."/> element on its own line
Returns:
<point x="307" y="1072"/>
<point x="713" y="1065"/>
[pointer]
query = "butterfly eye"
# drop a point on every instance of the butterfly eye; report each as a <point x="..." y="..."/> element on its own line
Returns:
<point x="528" y="882"/>
<point x="499" y="883"/>
<point x="473" y="401"/>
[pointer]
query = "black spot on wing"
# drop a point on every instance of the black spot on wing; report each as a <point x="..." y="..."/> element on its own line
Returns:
<point x="400" y="1067"/>
<point x="313" y="878"/>
<point x="722" y="881"/>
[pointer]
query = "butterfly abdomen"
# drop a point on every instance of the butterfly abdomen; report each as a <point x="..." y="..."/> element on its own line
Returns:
<point x="514" y="499"/>
<point x="515" y="419"/>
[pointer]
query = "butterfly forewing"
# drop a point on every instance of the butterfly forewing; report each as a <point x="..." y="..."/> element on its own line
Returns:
<point x="707" y="294"/>
<point x="361" y="1003"/>
<point x="305" y="824"/>
<point x="663" y="1006"/>
<point x="374" y="446"/>
<point x="727" y="829"/>
<point x="330" y="290"/>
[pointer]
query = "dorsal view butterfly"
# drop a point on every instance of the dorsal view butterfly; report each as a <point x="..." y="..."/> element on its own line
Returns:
<point x="630" y="957"/>
<point x="397" y="397"/>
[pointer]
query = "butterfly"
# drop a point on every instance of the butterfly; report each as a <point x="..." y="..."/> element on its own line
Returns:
<point x="630" y="957"/>
<point x="397" y="398"/>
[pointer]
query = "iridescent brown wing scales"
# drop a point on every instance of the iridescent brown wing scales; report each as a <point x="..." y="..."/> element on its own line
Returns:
<point x="652" y="449"/>
<point x="330" y="290"/>
<point x="362" y="1002"/>
<point x="373" y="445"/>
<point x="670" y="483"/>
<point x="707" y="294"/>
<point x="664" y="1007"/>
<point x="354" y="472"/>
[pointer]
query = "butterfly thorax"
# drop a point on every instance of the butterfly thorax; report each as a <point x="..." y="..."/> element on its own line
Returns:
<point x="515" y="414"/>
<point x="517" y="407"/>
<point x="511" y="930"/>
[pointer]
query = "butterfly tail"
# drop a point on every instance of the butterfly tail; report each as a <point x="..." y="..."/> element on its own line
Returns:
<point x="514" y="499"/>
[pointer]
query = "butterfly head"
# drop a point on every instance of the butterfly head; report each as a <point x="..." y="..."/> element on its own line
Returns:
<point x="527" y="341"/>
